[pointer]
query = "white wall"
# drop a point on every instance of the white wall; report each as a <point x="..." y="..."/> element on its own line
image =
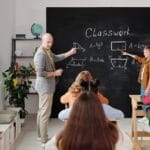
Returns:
<point x="7" y="27"/>
<point x="30" y="11"/>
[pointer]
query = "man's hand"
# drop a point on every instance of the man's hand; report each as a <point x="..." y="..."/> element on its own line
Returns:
<point x="58" y="72"/>
<point x="71" y="52"/>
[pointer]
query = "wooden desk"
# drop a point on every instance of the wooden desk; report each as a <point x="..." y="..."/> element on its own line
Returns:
<point x="136" y="102"/>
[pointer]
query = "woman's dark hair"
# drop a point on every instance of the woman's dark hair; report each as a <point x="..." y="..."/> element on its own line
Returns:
<point x="90" y="85"/>
<point x="87" y="127"/>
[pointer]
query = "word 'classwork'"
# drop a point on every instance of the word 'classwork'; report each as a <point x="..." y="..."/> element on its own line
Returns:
<point x="94" y="33"/>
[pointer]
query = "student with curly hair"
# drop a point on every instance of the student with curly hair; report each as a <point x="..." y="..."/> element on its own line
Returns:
<point x="76" y="89"/>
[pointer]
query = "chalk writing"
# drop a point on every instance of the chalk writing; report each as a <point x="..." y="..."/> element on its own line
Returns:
<point x="98" y="45"/>
<point x="96" y="59"/>
<point x="118" y="45"/>
<point x="118" y="62"/>
<point x="74" y="62"/>
<point x="136" y="45"/>
<point x="94" y="32"/>
<point x="78" y="47"/>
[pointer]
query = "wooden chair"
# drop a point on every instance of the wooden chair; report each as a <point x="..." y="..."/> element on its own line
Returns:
<point x="136" y="112"/>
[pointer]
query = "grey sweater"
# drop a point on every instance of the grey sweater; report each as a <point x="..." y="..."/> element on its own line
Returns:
<point x="43" y="65"/>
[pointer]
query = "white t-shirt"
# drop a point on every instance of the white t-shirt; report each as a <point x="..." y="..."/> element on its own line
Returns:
<point x="124" y="142"/>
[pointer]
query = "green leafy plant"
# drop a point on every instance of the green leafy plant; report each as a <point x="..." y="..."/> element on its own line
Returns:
<point x="17" y="84"/>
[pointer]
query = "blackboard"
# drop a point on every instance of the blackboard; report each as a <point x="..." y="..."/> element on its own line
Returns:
<point x="100" y="34"/>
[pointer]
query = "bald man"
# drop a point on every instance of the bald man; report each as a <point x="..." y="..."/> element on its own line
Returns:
<point x="44" y="61"/>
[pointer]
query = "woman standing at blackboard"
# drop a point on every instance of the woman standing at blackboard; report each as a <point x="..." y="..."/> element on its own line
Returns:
<point x="144" y="77"/>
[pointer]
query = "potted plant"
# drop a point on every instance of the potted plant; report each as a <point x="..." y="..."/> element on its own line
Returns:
<point x="17" y="85"/>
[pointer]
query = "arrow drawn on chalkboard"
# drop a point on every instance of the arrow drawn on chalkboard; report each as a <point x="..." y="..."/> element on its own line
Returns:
<point x="76" y="63"/>
<point x="78" y="47"/>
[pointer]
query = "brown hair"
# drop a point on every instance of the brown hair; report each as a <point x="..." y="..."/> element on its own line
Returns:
<point x="147" y="47"/>
<point x="83" y="75"/>
<point x="87" y="127"/>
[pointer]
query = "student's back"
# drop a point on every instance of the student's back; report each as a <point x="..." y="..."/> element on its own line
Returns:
<point x="88" y="129"/>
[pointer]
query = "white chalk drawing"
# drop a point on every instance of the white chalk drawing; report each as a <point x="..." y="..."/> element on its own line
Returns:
<point x="136" y="45"/>
<point x="95" y="32"/>
<point x="78" y="47"/>
<point x="96" y="59"/>
<point x="74" y="62"/>
<point x="118" y="45"/>
<point x="118" y="62"/>
<point x="97" y="45"/>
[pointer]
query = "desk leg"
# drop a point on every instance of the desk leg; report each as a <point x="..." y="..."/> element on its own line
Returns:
<point x="134" y="125"/>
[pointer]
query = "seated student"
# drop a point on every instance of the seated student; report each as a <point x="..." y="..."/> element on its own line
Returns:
<point x="110" y="112"/>
<point x="89" y="129"/>
<point x="70" y="96"/>
<point x="76" y="89"/>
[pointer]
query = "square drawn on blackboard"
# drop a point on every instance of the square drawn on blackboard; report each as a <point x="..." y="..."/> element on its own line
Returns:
<point x="118" y="45"/>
